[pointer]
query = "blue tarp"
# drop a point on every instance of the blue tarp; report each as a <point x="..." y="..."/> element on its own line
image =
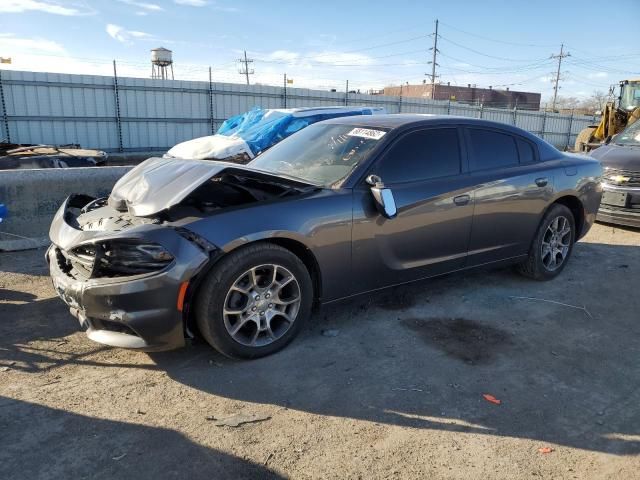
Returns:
<point x="261" y="129"/>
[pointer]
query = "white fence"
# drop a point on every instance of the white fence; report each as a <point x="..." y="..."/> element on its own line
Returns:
<point x="136" y="114"/>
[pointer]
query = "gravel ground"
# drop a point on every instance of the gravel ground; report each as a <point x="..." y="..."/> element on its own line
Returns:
<point x="392" y="389"/>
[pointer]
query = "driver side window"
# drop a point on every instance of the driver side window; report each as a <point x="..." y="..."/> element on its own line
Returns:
<point x="422" y="155"/>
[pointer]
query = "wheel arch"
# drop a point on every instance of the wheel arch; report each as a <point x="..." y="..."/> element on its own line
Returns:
<point x="295" y="246"/>
<point x="573" y="203"/>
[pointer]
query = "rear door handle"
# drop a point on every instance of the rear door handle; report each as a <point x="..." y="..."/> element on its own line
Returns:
<point x="542" y="181"/>
<point x="461" y="200"/>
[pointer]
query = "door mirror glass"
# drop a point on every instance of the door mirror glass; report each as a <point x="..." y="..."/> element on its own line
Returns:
<point x="382" y="196"/>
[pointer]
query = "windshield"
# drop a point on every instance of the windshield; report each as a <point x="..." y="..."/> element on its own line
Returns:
<point x="320" y="154"/>
<point x="630" y="96"/>
<point x="629" y="136"/>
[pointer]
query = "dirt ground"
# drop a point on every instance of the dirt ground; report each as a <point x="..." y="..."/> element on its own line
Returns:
<point x="396" y="392"/>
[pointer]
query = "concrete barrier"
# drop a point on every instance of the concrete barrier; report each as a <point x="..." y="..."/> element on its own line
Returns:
<point x="32" y="197"/>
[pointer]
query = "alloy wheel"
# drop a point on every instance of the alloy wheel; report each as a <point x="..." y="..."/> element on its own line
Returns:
<point x="261" y="305"/>
<point x="556" y="243"/>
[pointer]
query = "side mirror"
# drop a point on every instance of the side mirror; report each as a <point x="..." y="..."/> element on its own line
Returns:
<point x="385" y="203"/>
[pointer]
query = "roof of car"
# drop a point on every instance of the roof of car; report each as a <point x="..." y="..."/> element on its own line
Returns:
<point x="395" y="120"/>
<point x="400" y="121"/>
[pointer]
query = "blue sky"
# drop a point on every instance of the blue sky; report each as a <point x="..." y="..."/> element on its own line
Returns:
<point x="322" y="44"/>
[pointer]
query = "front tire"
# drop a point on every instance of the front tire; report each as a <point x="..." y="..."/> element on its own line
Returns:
<point x="552" y="245"/>
<point x="254" y="301"/>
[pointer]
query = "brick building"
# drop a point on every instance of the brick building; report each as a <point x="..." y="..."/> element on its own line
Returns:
<point x="470" y="94"/>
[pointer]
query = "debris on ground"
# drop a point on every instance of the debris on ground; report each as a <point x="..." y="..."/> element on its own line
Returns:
<point x="4" y="369"/>
<point x="578" y="307"/>
<point x="545" y="449"/>
<point x="240" y="419"/>
<point x="490" y="398"/>
<point x="119" y="457"/>
<point x="411" y="389"/>
<point x="330" y="332"/>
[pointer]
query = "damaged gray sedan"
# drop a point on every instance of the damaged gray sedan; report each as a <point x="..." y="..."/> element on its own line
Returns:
<point x="240" y="254"/>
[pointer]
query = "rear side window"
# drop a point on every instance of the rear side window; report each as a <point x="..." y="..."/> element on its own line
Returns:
<point x="525" y="149"/>
<point x="490" y="149"/>
<point x="422" y="155"/>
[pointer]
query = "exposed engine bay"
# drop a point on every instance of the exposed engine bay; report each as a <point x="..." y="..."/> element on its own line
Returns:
<point x="229" y="188"/>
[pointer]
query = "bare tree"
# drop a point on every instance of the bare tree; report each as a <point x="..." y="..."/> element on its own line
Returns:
<point x="596" y="101"/>
<point x="565" y="103"/>
<point x="591" y="104"/>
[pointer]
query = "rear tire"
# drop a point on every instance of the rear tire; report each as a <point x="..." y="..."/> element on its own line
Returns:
<point x="551" y="246"/>
<point x="254" y="301"/>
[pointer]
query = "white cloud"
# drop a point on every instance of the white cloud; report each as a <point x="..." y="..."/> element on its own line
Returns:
<point x="191" y="3"/>
<point x="12" y="45"/>
<point x="598" y="75"/>
<point x="123" y="35"/>
<point x="205" y="3"/>
<point x="284" y="56"/>
<point x="21" y="6"/>
<point x="151" y="7"/>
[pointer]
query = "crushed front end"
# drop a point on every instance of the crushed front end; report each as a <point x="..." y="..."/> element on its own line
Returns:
<point x="123" y="277"/>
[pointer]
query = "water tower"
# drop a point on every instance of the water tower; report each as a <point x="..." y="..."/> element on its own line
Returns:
<point x="161" y="63"/>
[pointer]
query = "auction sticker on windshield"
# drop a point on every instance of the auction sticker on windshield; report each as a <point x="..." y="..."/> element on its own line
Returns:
<point x="367" y="133"/>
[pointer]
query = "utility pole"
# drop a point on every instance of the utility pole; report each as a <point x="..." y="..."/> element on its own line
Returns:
<point x="557" y="80"/>
<point x="246" y="71"/>
<point x="433" y="62"/>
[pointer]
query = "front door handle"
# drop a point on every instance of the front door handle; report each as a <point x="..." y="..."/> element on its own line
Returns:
<point x="542" y="181"/>
<point x="461" y="200"/>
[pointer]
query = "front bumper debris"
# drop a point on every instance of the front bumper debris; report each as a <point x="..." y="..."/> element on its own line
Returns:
<point x="138" y="311"/>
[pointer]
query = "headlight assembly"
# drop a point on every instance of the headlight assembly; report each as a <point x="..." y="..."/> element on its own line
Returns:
<point x="122" y="257"/>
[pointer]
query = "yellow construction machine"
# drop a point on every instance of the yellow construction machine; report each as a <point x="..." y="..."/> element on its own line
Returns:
<point x="614" y="117"/>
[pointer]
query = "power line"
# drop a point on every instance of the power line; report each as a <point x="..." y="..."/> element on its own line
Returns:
<point x="560" y="56"/>
<point x="294" y="61"/>
<point x="372" y="47"/>
<point x="501" y="68"/>
<point x="485" y="54"/>
<point x="589" y="65"/>
<point x="494" y="40"/>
